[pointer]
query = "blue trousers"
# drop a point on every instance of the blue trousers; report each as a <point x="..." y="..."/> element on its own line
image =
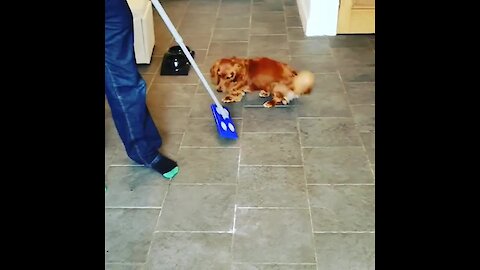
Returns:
<point x="125" y="88"/>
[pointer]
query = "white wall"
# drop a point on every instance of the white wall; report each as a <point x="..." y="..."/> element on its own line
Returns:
<point x="304" y="12"/>
<point x="319" y="17"/>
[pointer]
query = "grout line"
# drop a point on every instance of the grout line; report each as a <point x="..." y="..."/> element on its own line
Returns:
<point x="203" y="118"/>
<point x="325" y="232"/>
<point x="360" y="83"/>
<point x="125" y="263"/>
<point x="310" y="41"/>
<point x="230" y="41"/>
<point x="150" y="82"/>
<point x="270" y="132"/>
<point x="310" y="55"/>
<point x="133" y="207"/>
<point x="326" y="117"/>
<point x="236" y="189"/>
<point x="342" y="184"/>
<point x="125" y="165"/>
<point x="173" y="133"/>
<point x="233" y="28"/>
<point x="308" y="196"/>
<point x="223" y="232"/>
<point x="303" y="162"/>
<point x="272" y="263"/>
<point x="178" y="149"/>
<point x="299" y="132"/>
<point x="234" y="223"/>
<point x="250" y="29"/>
<point x="202" y="184"/>
<point x="263" y="35"/>
<point x="174" y="83"/>
<point x="357" y="129"/>
<point x="286" y="29"/>
<point x="210" y="147"/>
<point x="152" y="238"/>
<point x="356" y="105"/>
<point x="174" y="106"/>
<point x="322" y="147"/>
<point x="271" y="208"/>
<point x="271" y="165"/>
<point x="157" y="71"/>
<point x="188" y="122"/>
<point x="212" y="30"/>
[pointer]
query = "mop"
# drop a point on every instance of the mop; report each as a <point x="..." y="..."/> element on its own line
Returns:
<point x="224" y="123"/>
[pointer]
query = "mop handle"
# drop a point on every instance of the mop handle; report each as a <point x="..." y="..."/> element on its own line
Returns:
<point x="179" y="40"/>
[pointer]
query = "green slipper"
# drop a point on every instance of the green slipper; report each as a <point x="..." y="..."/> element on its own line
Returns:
<point x="169" y="175"/>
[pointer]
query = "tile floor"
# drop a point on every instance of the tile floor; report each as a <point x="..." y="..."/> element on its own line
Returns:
<point x="296" y="191"/>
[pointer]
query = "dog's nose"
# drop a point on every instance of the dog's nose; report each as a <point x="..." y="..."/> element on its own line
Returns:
<point x="219" y="89"/>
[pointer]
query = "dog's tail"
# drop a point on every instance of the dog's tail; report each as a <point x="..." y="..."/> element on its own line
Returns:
<point x="303" y="83"/>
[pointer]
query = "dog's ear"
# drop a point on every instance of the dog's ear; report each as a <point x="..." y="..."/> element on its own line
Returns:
<point x="214" y="72"/>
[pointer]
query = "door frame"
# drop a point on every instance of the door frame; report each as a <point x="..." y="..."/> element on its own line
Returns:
<point x="355" y="21"/>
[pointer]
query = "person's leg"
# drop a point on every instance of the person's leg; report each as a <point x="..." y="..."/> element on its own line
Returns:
<point x="126" y="92"/>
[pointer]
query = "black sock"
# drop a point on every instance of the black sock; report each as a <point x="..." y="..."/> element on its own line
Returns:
<point x="164" y="165"/>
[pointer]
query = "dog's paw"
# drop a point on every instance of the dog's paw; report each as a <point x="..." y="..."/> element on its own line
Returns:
<point x="269" y="104"/>
<point x="227" y="99"/>
<point x="231" y="98"/>
<point x="284" y="102"/>
<point x="263" y="94"/>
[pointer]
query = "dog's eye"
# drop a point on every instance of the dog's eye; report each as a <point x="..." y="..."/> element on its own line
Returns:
<point x="230" y="76"/>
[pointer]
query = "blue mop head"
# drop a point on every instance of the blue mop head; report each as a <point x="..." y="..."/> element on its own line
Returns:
<point x="225" y="127"/>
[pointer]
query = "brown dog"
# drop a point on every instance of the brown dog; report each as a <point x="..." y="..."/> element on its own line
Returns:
<point x="236" y="76"/>
<point x="283" y="94"/>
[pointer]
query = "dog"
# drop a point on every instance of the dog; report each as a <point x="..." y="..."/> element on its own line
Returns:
<point x="237" y="76"/>
<point x="282" y="94"/>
